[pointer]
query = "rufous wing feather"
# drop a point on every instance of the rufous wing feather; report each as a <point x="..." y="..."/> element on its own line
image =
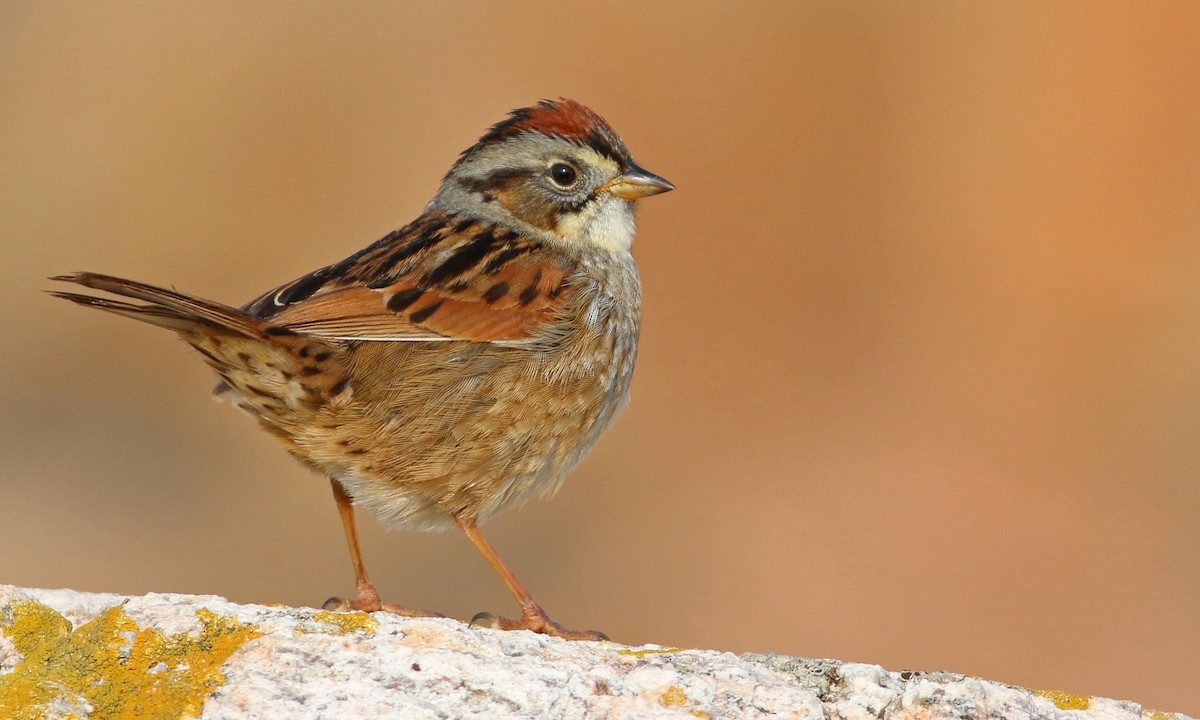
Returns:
<point x="501" y="298"/>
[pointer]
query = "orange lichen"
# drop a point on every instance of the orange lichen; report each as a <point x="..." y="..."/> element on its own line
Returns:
<point x="1159" y="715"/>
<point x="1065" y="700"/>
<point x="109" y="667"/>
<point x="673" y="697"/>
<point x="339" y="623"/>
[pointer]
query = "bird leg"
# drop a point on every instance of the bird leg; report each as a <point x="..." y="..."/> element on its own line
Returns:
<point x="533" y="617"/>
<point x="368" y="598"/>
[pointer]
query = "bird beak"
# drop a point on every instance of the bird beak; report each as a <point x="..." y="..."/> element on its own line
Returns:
<point x="637" y="182"/>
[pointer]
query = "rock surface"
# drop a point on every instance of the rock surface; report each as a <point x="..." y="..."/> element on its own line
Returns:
<point x="67" y="654"/>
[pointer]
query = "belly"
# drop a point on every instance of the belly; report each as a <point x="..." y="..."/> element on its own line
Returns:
<point x="441" y="429"/>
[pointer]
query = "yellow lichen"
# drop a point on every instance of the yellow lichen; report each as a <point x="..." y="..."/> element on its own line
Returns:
<point x="649" y="651"/>
<point x="700" y="713"/>
<point x="339" y="623"/>
<point x="109" y="667"/>
<point x="673" y="697"/>
<point x="1159" y="715"/>
<point x="1065" y="700"/>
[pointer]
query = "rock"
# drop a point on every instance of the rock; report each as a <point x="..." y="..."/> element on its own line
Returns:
<point x="67" y="654"/>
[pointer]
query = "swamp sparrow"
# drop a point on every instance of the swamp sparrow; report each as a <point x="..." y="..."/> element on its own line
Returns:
<point x="463" y="363"/>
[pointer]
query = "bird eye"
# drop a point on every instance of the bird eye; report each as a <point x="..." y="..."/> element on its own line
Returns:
<point x="563" y="175"/>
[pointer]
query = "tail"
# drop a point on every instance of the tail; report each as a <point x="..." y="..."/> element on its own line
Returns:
<point x="168" y="308"/>
<point x="264" y="363"/>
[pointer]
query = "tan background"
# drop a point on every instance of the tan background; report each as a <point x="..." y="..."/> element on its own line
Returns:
<point x="920" y="381"/>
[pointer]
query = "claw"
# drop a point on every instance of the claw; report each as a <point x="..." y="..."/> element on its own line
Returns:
<point x="337" y="604"/>
<point x="370" y="603"/>
<point x="535" y="622"/>
<point x="485" y="620"/>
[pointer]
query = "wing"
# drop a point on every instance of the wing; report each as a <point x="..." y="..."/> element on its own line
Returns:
<point x="437" y="279"/>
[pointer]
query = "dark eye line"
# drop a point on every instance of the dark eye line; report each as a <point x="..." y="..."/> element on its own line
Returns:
<point x="496" y="181"/>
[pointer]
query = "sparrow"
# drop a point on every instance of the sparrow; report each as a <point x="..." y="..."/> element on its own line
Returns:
<point x="462" y="364"/>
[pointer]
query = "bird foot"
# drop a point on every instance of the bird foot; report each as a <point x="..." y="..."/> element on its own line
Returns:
<point x="537" y="622"/>
<point x="369" y="602"/>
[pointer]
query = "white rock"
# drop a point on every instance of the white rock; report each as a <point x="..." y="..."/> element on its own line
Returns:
<point x="164" y="655"/>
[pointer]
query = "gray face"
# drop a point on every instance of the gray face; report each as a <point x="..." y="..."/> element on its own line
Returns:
<point x="549" y="187"/>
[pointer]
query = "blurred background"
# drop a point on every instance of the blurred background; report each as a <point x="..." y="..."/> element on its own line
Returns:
<point x="920" y="369"/>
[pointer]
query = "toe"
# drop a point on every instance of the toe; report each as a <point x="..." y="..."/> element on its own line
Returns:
<point x="407" y="612"/>
<point x="535" y="623"/>
<point x="369" y="602"/>
<point x="559" y="631"/>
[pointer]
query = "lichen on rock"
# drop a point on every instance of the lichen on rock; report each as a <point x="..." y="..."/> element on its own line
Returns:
<point x="110" y="667"/>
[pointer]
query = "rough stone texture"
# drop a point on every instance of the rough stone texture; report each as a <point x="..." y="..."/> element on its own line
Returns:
<point x="66" y="654"/>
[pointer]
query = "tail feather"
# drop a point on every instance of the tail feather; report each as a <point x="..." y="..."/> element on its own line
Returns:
<point x="268" y="365"/>
<point x="167" y="308"/>
<point x="153" y="314"/>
